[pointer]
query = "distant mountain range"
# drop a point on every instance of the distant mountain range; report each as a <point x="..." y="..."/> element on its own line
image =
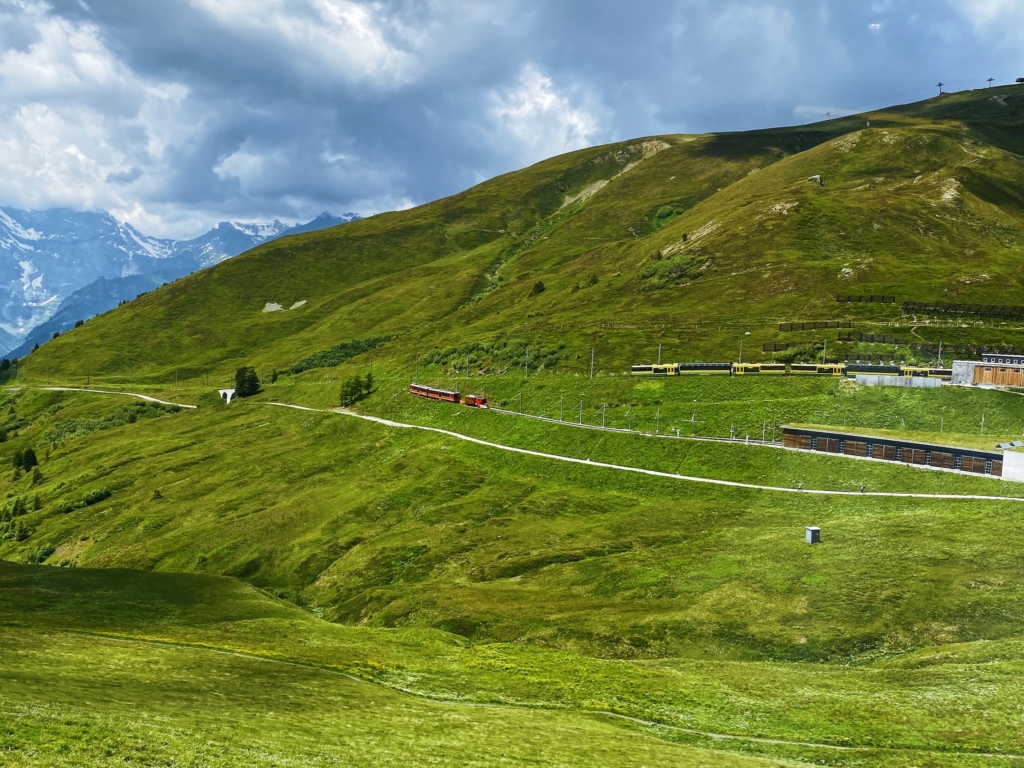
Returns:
<point x="59" y="266"/>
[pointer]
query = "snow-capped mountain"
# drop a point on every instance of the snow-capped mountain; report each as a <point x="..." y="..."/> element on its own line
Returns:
<point x="46" y="256"/>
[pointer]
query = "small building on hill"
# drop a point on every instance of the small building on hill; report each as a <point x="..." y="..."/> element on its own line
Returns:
<point x="989" y="372"/>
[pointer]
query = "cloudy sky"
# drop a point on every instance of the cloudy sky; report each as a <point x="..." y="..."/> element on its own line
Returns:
<point x="175" y="114"/>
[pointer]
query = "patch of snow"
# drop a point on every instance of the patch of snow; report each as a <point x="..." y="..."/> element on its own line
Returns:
<point x="16" y="229"/>
<point x="782" y="208"/>
<point x="259" y="231"/>
<point x="271" y="307"/>
<point x="297" y="304"/>
<point x="950" y="193"/>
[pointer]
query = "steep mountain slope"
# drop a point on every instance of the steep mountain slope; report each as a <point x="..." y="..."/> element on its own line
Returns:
<point x="695" y="240"/>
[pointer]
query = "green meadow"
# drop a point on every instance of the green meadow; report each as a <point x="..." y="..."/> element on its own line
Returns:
<point x="259" y="584"/>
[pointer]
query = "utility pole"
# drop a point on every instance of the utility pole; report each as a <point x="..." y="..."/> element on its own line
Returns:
<point x="983" y="423"/>
<point x="591" y="362"/>
<point x="659" y="354"/>
<point x="527" y="362"/>
<point x="581" y="411"/>
<point x="741" y="350"/>
<point x="604" y="410"/>
<point x="940" y="353"/>
<point x="657" y="418"/>
<point x="560" y="399"/>
<point x="467" y="365"/>
<point x="939" y="86"/>
<point x="629" y="418"/>
<point x="824" y="351"/>
<point x="764" y="430"/>
<point x="989" y="81"/>
<point x="520" y="401"/>
<point x="417" y="366"/>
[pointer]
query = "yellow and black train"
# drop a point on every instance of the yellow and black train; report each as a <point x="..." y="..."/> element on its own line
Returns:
<point x="849" y="370"/>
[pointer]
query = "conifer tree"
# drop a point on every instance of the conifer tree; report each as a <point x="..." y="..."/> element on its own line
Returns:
<point x="29" y="460"/>
<point x="246" y="382"/>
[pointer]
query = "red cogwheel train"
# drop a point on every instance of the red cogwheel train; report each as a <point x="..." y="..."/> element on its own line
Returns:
<point x="473" y="401"/>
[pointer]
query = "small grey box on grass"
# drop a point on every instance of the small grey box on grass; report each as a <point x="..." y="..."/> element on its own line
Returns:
<point x="813" y="535"/>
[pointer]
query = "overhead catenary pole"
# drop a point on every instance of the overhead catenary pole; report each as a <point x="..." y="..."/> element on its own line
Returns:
<point x="560" y="399"/>
<point x="659" y="354"/>
<point x="591" y="362"/>
<point x="581" y="411"/>
<point x="527" y="362"/>
<point x="741" y="351"/>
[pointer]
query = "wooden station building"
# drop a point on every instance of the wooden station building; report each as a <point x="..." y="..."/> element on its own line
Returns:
<point x="994" y="370"/>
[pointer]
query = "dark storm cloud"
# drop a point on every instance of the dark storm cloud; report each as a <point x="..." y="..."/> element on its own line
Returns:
<point x="174" y="114"/>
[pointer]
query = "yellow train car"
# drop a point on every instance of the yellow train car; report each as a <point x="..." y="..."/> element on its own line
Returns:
<point x="656" y="369"/>
<point x="927" y="373"/>
<point x="818" y="369"/>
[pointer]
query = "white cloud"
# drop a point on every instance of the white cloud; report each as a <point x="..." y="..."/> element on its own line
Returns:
<point x="999" y="19"/>
<point x="72" y="116"/>
<point x="539" y="119"/>
<point x="346" y="37"/>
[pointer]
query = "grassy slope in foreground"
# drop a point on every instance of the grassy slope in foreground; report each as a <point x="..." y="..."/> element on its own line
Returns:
<point x="924" y="205"/>
<point x="123" y="637"/>
<point x="384" y="527"/>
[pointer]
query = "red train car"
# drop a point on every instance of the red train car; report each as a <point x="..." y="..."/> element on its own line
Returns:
<point x="434" y="394"/>
<point x="475" y="401"/>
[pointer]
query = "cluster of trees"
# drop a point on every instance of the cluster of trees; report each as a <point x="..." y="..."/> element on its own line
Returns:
<point x="25" y="460"/>
<point x="246" y="382"/>
<point x="355" y="389"/>
<point x="10" y="526"/>
<point x="8" y="369"/>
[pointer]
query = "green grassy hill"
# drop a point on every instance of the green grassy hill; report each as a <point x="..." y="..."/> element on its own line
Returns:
<point x="256" y="583"/>
<point x="689" y="241"/>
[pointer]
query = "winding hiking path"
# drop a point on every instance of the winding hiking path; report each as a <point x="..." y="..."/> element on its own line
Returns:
<point x="640" y="470"/>
<point x="115" y="392"/>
